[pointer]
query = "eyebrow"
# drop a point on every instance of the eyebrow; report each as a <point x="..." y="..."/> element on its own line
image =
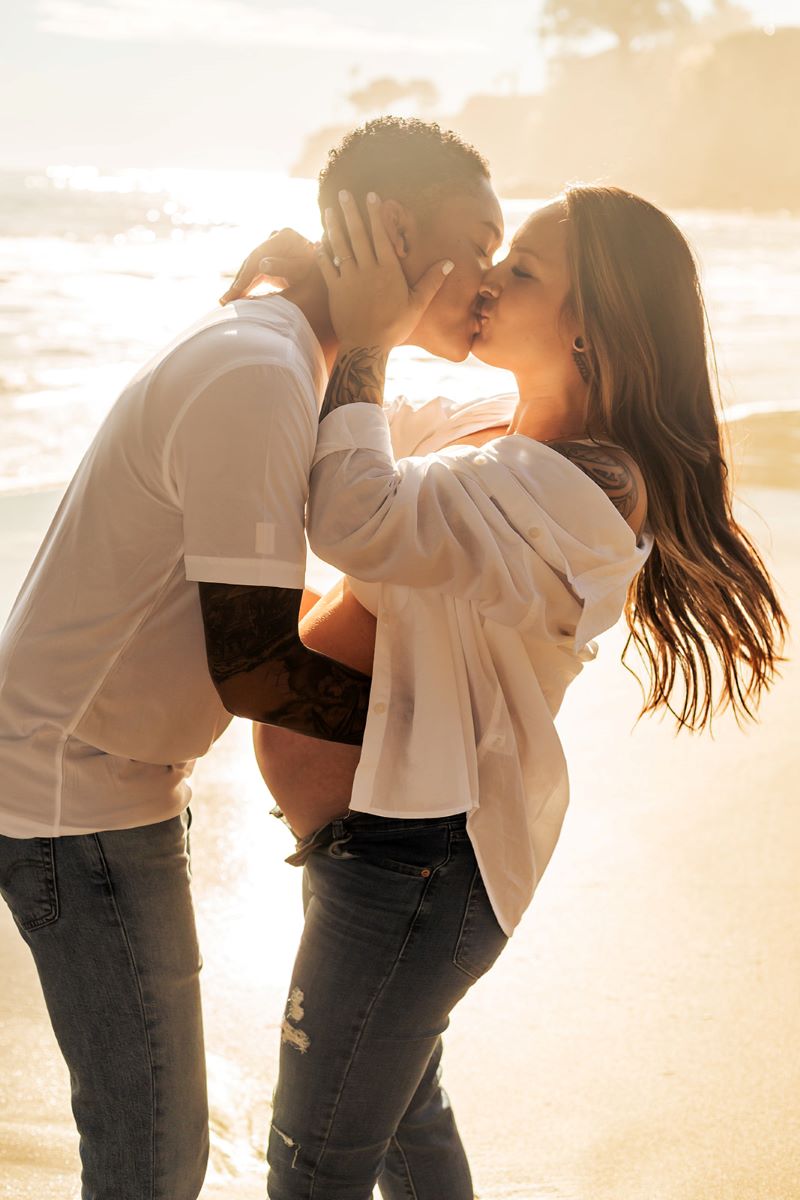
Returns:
<point x="524" y="250"/>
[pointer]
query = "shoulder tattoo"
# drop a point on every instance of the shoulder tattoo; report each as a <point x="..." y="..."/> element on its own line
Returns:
<point x="608" y="469"/>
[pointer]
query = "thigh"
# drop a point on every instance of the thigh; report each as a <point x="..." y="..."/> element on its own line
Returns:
<point x="374" y="982"/>
<point x="108" y="918"/>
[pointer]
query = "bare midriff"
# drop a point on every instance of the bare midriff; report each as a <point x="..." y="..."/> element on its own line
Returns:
<point x="310" y="779"/>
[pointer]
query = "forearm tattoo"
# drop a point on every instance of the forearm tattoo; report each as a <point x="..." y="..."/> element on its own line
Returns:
<point x="357" y="377"/>
<point x="255" y="629"/>
<point x="607" y="469"/>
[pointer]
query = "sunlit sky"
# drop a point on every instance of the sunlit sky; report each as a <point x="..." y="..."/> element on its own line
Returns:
<point x="239" y="83"/>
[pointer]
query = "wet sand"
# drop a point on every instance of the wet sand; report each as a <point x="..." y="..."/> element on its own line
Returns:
<point x="638" y="1040"/>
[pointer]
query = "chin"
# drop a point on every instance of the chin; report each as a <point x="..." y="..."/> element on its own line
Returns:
<point x="487" y="352"/>
<point x="458" y="348"/>
<point x="454" y="346"/>
<point x="483" y="352"/>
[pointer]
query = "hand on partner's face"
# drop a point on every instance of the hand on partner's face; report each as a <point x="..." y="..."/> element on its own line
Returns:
<point x="467" y="228"/>
<point x="372" y="303"/>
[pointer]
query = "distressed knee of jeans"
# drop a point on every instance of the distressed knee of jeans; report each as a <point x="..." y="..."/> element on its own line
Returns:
<point x="288" y="1142"/>
<point x="290" y="1033"/>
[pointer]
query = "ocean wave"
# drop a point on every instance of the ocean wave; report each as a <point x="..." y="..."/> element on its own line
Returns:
<point x="18" y="477"/>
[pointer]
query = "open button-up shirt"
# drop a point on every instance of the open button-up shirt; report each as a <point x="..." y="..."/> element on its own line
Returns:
<point x="497" y="567"/>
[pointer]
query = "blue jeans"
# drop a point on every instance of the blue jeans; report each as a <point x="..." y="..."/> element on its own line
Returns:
<point x="398" y="928"/>
<point x="109" y="921"/>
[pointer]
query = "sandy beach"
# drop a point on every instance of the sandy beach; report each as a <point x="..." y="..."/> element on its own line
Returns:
<point x="638" y="1040"/>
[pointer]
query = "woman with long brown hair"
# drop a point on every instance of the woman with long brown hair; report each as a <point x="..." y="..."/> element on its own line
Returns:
<point x="477" y="578"/>
<point x="704" y="594"/>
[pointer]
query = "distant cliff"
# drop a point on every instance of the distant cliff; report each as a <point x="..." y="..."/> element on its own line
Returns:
<point x="715" y="126"/>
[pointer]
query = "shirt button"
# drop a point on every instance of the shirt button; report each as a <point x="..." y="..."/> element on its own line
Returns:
<point x="480" y="459"/>
<point x="534" y="532"/>
<point x="380" y="707"/>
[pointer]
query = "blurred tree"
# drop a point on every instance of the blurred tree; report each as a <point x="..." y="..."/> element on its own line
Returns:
<point x="571" y="21"/>
<point x="380" y="95"/>
<point x="424" y="92"/>
<point x="725" y="18"/>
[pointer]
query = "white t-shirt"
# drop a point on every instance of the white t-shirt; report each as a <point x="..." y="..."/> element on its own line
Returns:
<point x="200" y="472"/>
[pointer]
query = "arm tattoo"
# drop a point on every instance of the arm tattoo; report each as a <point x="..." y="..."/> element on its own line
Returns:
<point x="607" y="469"/>
<point x="254" y="629"/>
<point x="357" y="377"/>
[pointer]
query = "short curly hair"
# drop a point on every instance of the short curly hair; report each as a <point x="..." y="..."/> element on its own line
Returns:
<point x="415" y="162"/>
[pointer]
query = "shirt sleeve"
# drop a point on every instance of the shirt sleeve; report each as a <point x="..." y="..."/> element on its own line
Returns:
<point x="411" y="424"/>
<point x="239" y="461"/>
<point x="416" y="522"/>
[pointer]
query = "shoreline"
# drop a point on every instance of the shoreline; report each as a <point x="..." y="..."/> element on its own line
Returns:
<point x="765" y="451"/>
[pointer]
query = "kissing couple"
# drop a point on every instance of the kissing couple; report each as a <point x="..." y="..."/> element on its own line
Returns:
<point x="404" y="722"/>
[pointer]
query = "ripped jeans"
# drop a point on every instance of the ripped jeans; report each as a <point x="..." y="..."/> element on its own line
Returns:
<point x="398" y="928"/>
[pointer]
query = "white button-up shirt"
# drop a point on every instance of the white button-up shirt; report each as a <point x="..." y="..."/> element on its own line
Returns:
<point x="497" y="567"/>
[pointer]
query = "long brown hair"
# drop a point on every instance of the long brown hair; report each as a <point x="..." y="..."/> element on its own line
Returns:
<point x="704" y="593"/>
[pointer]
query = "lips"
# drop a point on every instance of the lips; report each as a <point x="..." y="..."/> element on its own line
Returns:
<point x="480" y="318"/>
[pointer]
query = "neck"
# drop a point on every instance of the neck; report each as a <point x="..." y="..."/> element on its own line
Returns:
<point x="549" y="411"/>
<point x="311" y="297"/>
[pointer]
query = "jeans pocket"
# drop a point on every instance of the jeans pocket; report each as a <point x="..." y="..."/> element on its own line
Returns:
<point x="411" y="848"/>
<point x="28" y="881"/>
<point x="480" y="940"/>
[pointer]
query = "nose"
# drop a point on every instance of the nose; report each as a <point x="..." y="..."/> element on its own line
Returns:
<point x="490" y="287"/>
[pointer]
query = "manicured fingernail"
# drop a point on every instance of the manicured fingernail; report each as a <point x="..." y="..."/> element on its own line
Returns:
<point x="372" y="198"/>
<point x="344" y="196"/>
<point x="447" y="267"/>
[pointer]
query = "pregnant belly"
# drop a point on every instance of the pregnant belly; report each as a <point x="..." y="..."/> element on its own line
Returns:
<point x="310" y="779"/>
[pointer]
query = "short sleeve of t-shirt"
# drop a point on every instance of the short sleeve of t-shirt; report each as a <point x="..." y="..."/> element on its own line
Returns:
<point x="240" y="459"/>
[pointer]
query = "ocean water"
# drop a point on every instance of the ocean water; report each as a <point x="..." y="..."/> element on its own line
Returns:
<point x="99" y="270"/>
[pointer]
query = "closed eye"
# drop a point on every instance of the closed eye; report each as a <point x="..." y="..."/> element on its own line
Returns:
<point x="521" y="274"/>
<point x="483" y="253"/>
